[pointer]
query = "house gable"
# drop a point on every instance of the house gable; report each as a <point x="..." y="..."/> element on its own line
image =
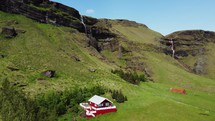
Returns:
<point x="97" y="100"/>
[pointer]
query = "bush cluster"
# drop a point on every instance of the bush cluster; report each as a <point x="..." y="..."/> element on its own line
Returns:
<point x="130" y="77"/>
<point x="15" y="105"/>
<point x="118" y="96"/>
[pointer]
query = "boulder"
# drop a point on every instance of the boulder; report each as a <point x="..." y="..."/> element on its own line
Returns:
<point x="76" y="58"/>
<point x="20" y="31"/>
<point x="8" y="32"/>
<point x="15" y="83"/>
<point x="12" y="22"/>
<point x="12" y="68"/>
<point x="49" y="73"/>
<point x="92" y="70"/>
<point x="2" y="56"/>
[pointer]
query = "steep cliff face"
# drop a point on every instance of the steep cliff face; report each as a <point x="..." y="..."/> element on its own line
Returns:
<point x="191" y="48"/>
<point x="188" y="42"/>
<point x="44" y="11"/>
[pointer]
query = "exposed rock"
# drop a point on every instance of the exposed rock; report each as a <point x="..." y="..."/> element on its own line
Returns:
<point x="8" y="32"/>
<point x="110" y="44"/>
<point x="40" y="79"/>
<point x="13" y="68"/>
<point x="120" y="52"/>
<point x="93" y="42"/>
<point x="90" y="20"/>
<point x="22" y="85"/>
<point x="102" y="38"/>
<point x="92" y="70"/>
<point x="199" y="66"/>
<point x="135" y="64"/>
<point x="12" y="22"/>
<point x="2" y="56"/>
<point x="130" y="23"/>
<point x="35" y="2"/>
<point x="101" y="33"/>
<point x="76" y="58"/>
<point x="20" y="31"/>
<point x="181" y="53"/>
<point x="49" y="73"/>
<point x="14" y="83"/>
<point x="148" y="72"/>
<point x="200" y="51"/>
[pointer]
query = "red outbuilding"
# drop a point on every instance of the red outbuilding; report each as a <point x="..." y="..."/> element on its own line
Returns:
<point x="98" y="105"/>
<point x="178" y="90"/>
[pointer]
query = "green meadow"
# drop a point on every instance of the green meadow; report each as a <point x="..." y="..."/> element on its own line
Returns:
<point x="45" y="46"/>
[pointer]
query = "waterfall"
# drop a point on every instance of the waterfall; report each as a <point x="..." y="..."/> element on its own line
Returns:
<point x="91" y="40"/>
<point x="172" y="48"/>
<point x="82" y="21"/>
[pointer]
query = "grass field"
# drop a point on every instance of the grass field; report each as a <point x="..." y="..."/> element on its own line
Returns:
<point x="45" y="47"/>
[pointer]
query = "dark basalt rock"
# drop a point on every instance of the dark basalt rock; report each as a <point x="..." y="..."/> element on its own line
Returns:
<point x="13" y="68"/>
<point x="101" y="33"/>
<point x="130" y="23"/>
<point x="35" y="2"/>
<point x="110" y="44"/>
<point x="20" y="31"/>
<point x="70" y="11"/>
<point x="12" y="22"/>
<point x="94" y="43"/>
<point x="49" y="73"/>
<point x="181" y="53"/>
<point x="76" y="58"/>
<point x="90" y="20"/>
<point x="44" y="11"/>
<point x="15" y="83"/>
<point x="2" y="56"/>
<point x="8" y="32"/>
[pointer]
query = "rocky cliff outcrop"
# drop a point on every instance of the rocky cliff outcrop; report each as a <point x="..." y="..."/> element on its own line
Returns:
<point x="44" y="11"/>
<point x="190" y="44"/>
<point x="100" y="35"/>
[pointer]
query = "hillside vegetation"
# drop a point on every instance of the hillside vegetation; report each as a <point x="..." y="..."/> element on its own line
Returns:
<point x="66" y="50"/>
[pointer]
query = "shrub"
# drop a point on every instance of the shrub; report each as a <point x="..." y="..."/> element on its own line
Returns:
<point x="15" y="105"/>
<point x="118" y="96"/>
<point x="133" y="78"/>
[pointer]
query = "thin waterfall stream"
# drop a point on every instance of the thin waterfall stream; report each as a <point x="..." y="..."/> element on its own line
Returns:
<point x="172" y="48"/>
<point x="82" y="21"/>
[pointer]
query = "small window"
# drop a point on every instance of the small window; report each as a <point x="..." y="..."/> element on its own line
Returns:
<point x="107" y="104"/>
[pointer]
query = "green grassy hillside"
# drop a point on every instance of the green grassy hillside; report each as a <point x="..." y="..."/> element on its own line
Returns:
<point x="45" y="46"/>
